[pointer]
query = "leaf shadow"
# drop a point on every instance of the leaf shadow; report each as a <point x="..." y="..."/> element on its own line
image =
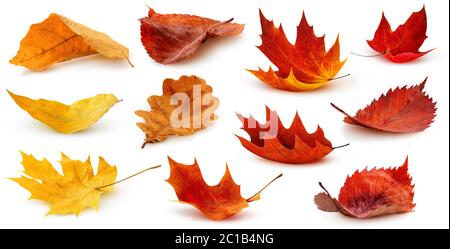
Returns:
<point x="357" y="131"/>
<point x="340" y="84"/>
<point x="372" y="221"/>
<point x="194" y="214"/>
<point x="277" y="165"/>
<point x="36" y="127"/>
<point x="112" y="64"/>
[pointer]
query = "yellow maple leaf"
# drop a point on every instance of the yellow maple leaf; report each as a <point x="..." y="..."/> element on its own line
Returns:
<point x="67" y="118"/>
<point x="78" y="188"/>
<point x="58" y="39"/>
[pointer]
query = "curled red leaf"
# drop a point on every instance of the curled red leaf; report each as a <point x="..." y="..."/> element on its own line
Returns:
<point x="169" y="38"/>
<point x="371" y="193"/>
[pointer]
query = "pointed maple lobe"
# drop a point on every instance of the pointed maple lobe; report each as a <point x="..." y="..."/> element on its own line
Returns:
<point x="403" y="110"/>
<point x="403" y="44"/>
<point x="371" y="193"/>
<point x="169" y="38"/>
<point x="215" y="202"/>
<point x="276" y="143"/>
<point x="304" y="66"/>
<point x="73" y="191"/>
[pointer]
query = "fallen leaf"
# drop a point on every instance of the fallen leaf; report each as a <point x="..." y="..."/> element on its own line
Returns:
<point x="63" y="118"/>
<point x="304" y="66"/>
<point x="276" y="143"/>
<point x="169" y="38"/>
<point x="401" y="45"/>
<point x="72" y="192"/>
<point x="401" y="110"/>
<point x="196" y="109"/>
<point x="371" y="193"/>
<point x="58" y="39"/>
<point x="215" y="202"/>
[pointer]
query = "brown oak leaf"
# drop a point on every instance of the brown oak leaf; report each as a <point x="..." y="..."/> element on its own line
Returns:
<point x="186" y="105"/>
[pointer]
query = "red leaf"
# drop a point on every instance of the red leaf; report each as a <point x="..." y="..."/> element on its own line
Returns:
<point x="215" y="202"/>
<point x="169" y="38"/>
<point x="303" y="66"/>
<point x="401" y="45"/>
<point x="274" y="142"/>
<point x="372" y="193"/>
<point x="401" y="110"/>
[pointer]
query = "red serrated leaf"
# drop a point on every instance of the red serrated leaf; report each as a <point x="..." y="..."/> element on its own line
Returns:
<point x="401" y="45"/>
<point x="215" y="202"/>
<point x="400" y="111"/>
<point x="169" y="38"/>
<point x="274" y="142"/>
<point x="372" y="193"/>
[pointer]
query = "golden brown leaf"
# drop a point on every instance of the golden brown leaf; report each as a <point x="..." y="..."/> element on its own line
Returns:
<point x="196" y="109"/>
<point x="58" y="39"/>
<point x="78" y="188"/>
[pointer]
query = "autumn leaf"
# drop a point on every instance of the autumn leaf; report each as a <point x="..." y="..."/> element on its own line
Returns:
<point x="58" y="39"/>
<point x="406" y="109"/>
<point x="169" y="38"/>
<point x="275" y="142"/>
<point x="371" y="193"/>
<point x="304" y="66"/>
<point x="72" y="192"/>
<point x="401" y="45"/>
<point x="215" y="202"/>
<point x="67" y="118"/>
<point x="195" y="112"/>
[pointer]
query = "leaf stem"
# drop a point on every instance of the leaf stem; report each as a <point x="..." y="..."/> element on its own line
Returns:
<point x="324" y="189"/>
<point x="340" y="146"/>
<point x="267" y="185"/>
<point x="126" y="178"/>
<point x="340" y="77"/>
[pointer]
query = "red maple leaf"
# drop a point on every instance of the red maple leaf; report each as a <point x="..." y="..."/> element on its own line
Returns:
<point x="401" y="45"/>
<point x="215" y="202"/>
<point x="401" y="110"/>
<point x="275" y="142"/>
<point x="371" y="193"/>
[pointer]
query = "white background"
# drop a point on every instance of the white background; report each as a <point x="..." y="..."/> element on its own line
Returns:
<point x="147" y="200"/>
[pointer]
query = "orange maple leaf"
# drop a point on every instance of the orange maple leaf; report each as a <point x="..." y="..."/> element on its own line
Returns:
<point x="304" y="66"/>
<point x="215" y="202"/>
<point x="372" y="193"/>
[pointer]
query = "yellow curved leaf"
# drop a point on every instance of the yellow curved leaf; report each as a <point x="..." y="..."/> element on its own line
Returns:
<point x="67" y="118"/>
<point x="78" y="188"/>
<point x="58" y="39"/>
